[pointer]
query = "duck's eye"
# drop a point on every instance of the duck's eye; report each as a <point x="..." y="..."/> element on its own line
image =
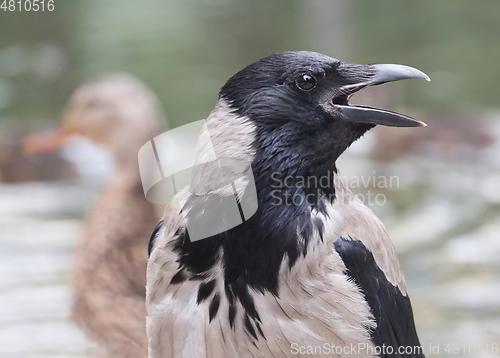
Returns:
<point x="305" y="82"/>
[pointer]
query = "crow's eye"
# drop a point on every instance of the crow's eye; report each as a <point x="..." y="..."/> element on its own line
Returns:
<point x="305" y="82"/>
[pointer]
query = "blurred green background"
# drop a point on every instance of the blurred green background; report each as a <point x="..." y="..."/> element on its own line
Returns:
<point x="444" y="217"/>
<point x="185" y="50"/>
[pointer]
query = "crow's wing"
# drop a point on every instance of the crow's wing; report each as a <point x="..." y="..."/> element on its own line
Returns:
<point x="391" y="308"/>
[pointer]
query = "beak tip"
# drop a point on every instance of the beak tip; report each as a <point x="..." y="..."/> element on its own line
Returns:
<point x="393" y="72"/>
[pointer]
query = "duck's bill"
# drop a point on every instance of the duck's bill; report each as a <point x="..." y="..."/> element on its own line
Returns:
<point x="46" y="142"/>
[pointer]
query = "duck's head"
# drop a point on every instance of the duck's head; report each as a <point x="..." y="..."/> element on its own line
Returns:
<point x="117" y="111"/>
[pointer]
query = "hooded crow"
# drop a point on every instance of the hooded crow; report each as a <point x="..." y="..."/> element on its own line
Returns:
<point x="312" y="272"/>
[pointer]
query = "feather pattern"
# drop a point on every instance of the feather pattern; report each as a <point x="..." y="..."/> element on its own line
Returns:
<point x="315" y="303"/>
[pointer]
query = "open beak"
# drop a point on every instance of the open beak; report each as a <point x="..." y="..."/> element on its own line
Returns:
<point x="361" y="114"/>
<point x="46" y="142"/>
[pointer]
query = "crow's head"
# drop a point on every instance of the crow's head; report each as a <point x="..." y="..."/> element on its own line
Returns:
<point x="289" y="116"/>
<point x="302" y="98"/>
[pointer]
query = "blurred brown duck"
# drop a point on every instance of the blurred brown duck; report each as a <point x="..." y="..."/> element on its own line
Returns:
<point x="110" y="270"/>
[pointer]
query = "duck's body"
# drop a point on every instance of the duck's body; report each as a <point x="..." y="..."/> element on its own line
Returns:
<point x="109" y="275"/>
<point x="110" y="272"/>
